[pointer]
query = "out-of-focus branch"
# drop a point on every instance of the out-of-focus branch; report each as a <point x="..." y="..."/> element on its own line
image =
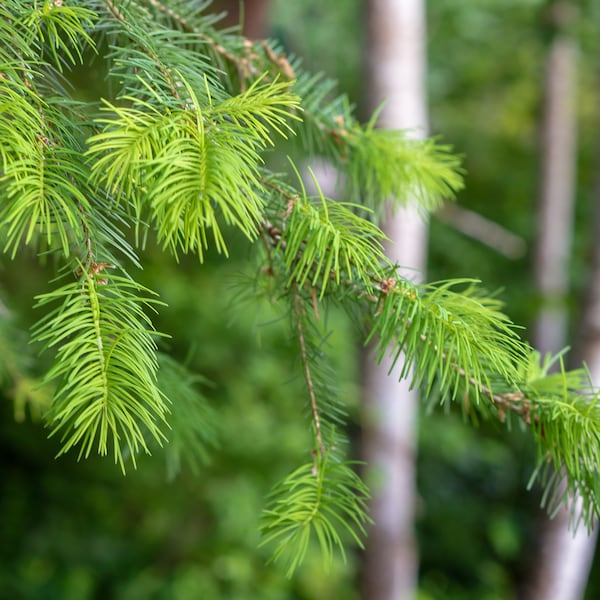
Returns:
<point x="483" y="230"/>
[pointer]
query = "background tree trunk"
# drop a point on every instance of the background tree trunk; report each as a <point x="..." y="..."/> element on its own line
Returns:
<point x="557" y="185"/>
<point x="252" y="15"/>
<point x="396" y="76"/>
<point x="564" y="558"/>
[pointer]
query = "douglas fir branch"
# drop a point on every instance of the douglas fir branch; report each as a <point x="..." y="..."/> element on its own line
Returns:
<point x="178" y="154"/>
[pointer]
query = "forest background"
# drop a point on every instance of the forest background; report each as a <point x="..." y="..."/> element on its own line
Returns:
<point x="80" y="530"/>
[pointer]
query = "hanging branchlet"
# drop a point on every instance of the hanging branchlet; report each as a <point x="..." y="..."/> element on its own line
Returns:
<point x="164" y="164"/>
<point x="325" y="500"/>
<point x="105" y="368"/>
<point x="306" y="366"/>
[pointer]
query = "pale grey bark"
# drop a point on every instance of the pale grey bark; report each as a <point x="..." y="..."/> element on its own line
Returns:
<point x="564" y="557"/>
<point x="397" y="77"/>
<point x="557" y="195"/>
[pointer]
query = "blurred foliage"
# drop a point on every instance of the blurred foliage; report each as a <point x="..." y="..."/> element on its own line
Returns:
<point x="474" y="520"/>
<point x="77" y="531"/>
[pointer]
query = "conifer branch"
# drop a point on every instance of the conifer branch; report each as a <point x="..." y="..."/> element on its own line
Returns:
<point x="179" y="152"/>
<point x="380" y="164"/>
<point x="114" y="10"/>
<point x="327" y="501"/>
<point x="249" y="63"/>
<point x="462" y="346"/>
<point x="105" y="367"/>
<point x="154" y="57"/>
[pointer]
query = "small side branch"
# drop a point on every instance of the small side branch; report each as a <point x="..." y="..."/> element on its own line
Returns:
<point x="515" y="402"/>
<point x="118" y="14"/>
<point x="298" y="311"/>
<point x="91" y="267"/>
<point x="245" y="64"/>
<point x="382" y="285"/>
<point x="114" y="10"/>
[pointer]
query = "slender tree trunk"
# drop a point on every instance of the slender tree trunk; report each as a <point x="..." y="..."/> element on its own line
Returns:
<point x="564" y="558"/>
<point x="397" y="77"/>
<point x="557" y="187"/>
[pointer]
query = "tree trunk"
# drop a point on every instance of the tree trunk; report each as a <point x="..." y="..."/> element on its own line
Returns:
<point x="396" y="76"/>
<point x="557" y="188"/>
<point x="250" y="14"/>
<point x="564" y="558"/>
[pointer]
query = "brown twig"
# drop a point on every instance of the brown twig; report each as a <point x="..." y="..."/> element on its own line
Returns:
<point x="244" y="64"/>
<point x="515" y="402"/>
<point x="307" y="373"/>
<point x="114" y="10"/>
<point x="118" y="14"/>
<point x="92" y="268"/>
